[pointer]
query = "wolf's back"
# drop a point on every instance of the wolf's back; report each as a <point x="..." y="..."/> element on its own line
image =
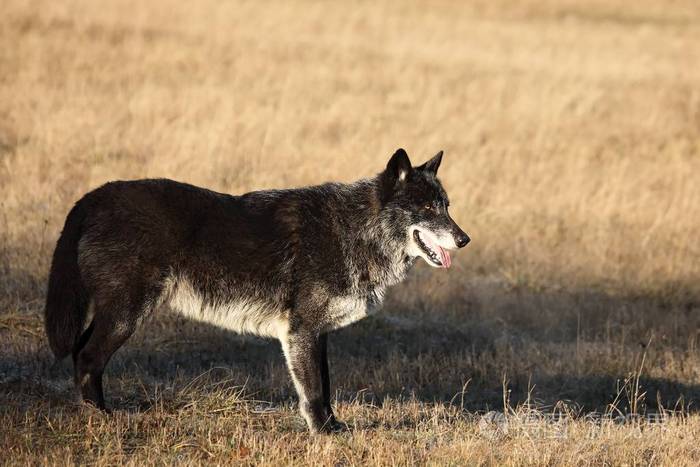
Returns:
<point x="66" y="300"/>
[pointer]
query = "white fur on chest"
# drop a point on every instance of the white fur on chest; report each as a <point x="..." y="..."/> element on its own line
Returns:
<point x="243" y="316"/>
<point x="345" y="310"/>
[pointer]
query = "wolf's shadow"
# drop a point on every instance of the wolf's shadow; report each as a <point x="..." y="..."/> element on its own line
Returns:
<point x="468" y="360"/>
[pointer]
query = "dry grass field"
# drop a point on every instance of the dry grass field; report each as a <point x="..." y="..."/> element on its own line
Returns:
<point x="572" y="138"/>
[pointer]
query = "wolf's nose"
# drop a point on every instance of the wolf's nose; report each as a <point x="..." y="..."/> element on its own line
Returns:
<point x="462" y="240"/>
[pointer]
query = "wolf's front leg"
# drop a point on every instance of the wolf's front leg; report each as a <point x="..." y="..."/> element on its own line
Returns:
<point x="331" y="421"/>
<point x="326" y="378"/>
<point x="302" y="348"/>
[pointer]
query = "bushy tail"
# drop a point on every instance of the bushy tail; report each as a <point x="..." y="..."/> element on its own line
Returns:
<point x="66" y="300"/>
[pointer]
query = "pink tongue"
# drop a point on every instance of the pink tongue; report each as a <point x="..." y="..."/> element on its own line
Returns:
<point x="446" y="260"/>
<point x="444" y="255"/>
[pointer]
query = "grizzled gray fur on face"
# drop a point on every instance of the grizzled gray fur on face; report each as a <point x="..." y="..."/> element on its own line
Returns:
<point x="290" y="264"/>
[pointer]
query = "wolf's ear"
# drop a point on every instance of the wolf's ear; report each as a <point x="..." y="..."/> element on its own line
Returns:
<point x="395" y="176"/>
<point x="399" y="167"/>
<point x="432" y="165"/>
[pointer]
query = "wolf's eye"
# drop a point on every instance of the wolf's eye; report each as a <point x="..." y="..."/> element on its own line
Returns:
<point x="428" y="207"/>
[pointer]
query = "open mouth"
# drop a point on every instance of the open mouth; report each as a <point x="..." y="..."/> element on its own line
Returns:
<point x="434" y="252"/>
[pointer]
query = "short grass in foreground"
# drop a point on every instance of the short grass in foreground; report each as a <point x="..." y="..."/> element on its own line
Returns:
<point x="210" y="420"/>
<point x="414" y="387"/>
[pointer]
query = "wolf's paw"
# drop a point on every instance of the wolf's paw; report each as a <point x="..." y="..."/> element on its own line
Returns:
<point x="334" y="426"/>
<point x="93" y="406"/>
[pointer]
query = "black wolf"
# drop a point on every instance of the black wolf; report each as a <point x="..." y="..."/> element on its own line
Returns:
<point x="291" y="264"/>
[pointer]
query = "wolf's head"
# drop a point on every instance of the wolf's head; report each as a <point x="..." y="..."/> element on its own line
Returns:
<point x="419" y="209"/>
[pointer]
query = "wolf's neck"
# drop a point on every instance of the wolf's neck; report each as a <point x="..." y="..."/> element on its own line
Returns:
<point x="372" y="243"/>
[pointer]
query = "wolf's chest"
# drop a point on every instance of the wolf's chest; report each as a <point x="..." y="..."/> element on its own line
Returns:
<point x="346" y="309"/>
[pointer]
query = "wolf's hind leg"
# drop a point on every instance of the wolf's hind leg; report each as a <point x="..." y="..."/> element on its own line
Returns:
<point x="106" y="338"/>
<point x="84" y="338"/>
<point x="115" y="320"/>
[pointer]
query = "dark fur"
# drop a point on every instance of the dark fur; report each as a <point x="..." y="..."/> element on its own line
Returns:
<point x="297" y="255"/>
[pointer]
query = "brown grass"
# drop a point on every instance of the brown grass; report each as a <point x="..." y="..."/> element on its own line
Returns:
<point x="572" y="139"/>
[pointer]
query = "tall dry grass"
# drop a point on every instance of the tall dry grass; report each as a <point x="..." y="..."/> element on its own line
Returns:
<point x="572" y="139"/>
<point x="571" y="130"/>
